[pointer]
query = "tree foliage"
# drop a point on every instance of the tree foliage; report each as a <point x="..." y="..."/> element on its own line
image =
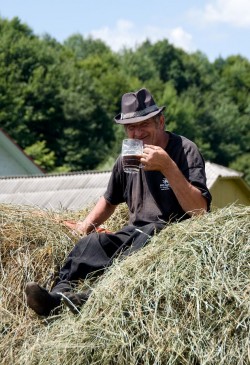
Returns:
<point x="58" y="101"/>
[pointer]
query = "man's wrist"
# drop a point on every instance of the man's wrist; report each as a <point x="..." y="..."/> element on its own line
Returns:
<point x="81" y="227"/>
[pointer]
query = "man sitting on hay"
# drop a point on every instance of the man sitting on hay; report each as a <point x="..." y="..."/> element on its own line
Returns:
<point x="170" y="186"/>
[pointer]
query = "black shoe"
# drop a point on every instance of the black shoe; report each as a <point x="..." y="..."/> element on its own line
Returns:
<point x="40" y="300"/>
<point x="74" y="301"/>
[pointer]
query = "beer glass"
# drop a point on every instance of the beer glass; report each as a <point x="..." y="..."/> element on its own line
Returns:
<point x="131" y="154"/>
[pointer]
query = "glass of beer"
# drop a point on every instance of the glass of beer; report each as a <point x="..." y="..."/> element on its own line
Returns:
<point x="131" y="154"/>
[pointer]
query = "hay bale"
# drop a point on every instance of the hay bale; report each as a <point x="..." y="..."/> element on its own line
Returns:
<point x="183" y="299"/>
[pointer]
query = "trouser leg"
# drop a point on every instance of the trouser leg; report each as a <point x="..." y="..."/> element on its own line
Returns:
<point x="91" y="254"/>
<point x="95" y="252"/>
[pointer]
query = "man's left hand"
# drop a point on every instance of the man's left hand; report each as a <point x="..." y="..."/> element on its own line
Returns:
<point x="154" y="158"/>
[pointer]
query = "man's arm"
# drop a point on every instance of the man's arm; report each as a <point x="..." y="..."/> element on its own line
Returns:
<point x="189" y="197"/>
<point x="98" y="215"/>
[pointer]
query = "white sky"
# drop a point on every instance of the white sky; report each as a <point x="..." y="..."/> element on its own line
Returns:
<point x="214" y="27"/>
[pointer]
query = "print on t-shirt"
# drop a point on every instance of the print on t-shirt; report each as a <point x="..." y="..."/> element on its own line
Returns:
<point x="165" y="184"/>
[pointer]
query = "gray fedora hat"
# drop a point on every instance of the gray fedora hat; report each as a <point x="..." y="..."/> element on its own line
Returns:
<point x="137" y="107"/>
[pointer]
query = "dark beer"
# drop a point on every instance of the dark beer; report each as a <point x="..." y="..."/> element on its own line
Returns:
<point x="131" y="163"/>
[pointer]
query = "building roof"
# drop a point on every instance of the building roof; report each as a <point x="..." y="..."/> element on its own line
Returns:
<point x="214" y="171"/>
<point x="75" y="191"/>
<point x="72" y="191"/>
<point x="13" y="160"/>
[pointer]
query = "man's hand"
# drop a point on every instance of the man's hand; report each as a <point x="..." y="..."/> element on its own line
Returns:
<point x="154" y="158"/>
<point x="79" y="228"/>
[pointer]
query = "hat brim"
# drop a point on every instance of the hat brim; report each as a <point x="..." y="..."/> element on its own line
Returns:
<point x="118" y="119"/>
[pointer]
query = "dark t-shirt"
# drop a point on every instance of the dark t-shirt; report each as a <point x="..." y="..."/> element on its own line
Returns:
<point x="149" y="196"/>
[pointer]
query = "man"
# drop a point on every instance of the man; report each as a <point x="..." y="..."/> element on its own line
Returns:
<point x="171" y="186"/>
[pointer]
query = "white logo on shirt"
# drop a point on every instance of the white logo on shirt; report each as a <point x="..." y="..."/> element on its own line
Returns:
<point x="165" y="184"/>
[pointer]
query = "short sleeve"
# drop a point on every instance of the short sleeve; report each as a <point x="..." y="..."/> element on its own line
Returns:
<point x="115" y="189"/>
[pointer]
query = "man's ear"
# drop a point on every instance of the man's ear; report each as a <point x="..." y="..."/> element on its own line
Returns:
<point x="162" y="121"/>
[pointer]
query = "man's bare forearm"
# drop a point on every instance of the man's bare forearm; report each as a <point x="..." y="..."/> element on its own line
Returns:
<point x="98" y="215"/>
<point x="189" y="197"/>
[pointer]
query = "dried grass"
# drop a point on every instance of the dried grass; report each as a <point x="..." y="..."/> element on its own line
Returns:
<point x="183" y="299"/>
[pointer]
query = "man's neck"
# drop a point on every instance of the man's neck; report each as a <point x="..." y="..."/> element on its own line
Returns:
<point x="165" y="139"/>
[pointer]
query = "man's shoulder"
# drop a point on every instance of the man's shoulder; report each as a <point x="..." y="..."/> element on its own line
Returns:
<point x="181" y="141"/>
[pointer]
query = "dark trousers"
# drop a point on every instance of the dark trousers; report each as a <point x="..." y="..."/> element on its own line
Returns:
<point x="96" y="251"/>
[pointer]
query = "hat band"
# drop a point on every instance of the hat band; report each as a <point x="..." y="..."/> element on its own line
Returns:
<point x="140" y="113"/>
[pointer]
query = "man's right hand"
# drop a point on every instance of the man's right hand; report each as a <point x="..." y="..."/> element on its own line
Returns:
<point x="76" y="227"/>
<point x="79" y="227"/>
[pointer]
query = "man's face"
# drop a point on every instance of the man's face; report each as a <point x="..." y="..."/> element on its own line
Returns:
<point x="149" y="131"/>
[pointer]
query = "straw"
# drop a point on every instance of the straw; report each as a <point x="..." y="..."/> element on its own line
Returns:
<point x="182" y="299"/>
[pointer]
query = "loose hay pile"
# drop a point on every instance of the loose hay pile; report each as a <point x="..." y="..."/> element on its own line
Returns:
<point x="183" y="299"/>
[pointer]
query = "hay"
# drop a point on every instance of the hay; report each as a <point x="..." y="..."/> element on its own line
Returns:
<point x="183" y="299"/>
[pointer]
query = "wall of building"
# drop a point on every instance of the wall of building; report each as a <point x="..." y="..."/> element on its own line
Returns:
<point x="229" y="191"/>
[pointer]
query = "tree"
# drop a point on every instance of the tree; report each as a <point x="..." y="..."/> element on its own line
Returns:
<point x="59" y="100"/>
<point x="82" y="48"/>
<point x="29" y="86"/>
<point x="242" y="163"/>
<point x="42" y="155"/>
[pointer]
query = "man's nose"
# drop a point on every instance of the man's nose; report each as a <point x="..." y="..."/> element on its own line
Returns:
<point x="137" y="131"/>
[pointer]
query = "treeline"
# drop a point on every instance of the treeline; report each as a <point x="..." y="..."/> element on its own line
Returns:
<point x="57" y="101"/>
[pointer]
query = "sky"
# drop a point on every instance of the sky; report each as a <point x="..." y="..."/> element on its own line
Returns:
<point x="217" y="28"/>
